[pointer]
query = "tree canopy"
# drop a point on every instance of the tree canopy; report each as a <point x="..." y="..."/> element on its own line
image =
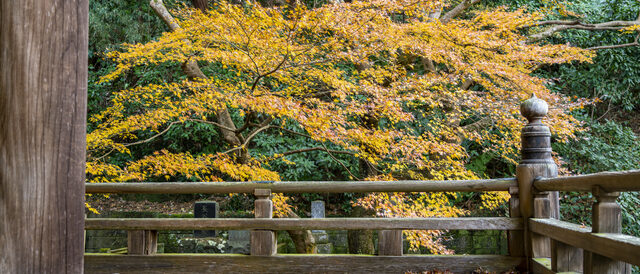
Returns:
<point x="395" y="86"/>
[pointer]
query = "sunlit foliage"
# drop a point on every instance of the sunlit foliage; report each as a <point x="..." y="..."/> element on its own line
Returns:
<point x="352" y="75"/>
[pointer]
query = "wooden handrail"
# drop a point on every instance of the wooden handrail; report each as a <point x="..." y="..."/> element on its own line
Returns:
<point x="613" y="245"/>
<point x="466" y="223"/>
<point x="608" y="181"/>
<point x="296" y="263"/>
<point x="305" y="186"/>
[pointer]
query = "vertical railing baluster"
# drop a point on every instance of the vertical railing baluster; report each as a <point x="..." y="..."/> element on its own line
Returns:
<point x="515" y="237"/>
<point x="606" y="219"/>
<point x="142" y="242"/>
<point x="390" y="243"/>
<point x="263" y="242"/>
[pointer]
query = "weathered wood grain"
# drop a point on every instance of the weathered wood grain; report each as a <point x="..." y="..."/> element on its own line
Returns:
<point x="607" y="218"/>
<point x="541" y="266"/>
<point x="616" y="246"/>
<point x="142" y="242"/>
<point x="43" y="92"/>
<point x="608" y="181"/>
<point x="467" y="223"/>
<point x="304" y="187"/>
<point x="263" y="242"/>
<point x="390" y="242"/>
<point x="516" y="237"/>
<point x="198" y="263"/>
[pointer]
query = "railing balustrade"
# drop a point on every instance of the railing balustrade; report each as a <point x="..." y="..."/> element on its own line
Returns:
<point x="538" y="241"/>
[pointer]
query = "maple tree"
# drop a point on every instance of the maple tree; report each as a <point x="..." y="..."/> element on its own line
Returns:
<point x="386" y="82"/>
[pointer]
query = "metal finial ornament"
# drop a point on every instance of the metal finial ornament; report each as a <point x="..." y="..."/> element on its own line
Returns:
<point x="536" y="137"/>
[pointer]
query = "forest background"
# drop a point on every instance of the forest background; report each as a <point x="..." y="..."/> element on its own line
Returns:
<point x="394" y="111"/>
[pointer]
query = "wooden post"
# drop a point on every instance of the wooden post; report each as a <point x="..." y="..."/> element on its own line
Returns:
<point x="536" y="162"/>
<point x="515" y="237"/>
<point x="263" y="242"/>
<point x="606" y="219"/>
<point x="390" y="243"/>
<point x="142" y="242"/>
<point x="43" y="93"/>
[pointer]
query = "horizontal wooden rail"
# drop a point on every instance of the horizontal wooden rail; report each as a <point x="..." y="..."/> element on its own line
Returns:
<point x="305" y="187"/>
<point x="615" y="246"/>
<point x="218" y="263"/>
<point x="608" y="181"/>
<point x="467" y="223"/>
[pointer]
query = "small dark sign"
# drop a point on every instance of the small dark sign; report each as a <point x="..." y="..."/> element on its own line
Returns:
<point x="205" y="209"/>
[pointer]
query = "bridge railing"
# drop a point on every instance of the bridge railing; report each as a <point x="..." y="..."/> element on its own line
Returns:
<point x="562" y="246"/>
<point x="538" y="241"/>
<point x="143" y="231"/>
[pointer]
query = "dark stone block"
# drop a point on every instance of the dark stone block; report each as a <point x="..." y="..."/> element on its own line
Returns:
<point x="205" y="209"/>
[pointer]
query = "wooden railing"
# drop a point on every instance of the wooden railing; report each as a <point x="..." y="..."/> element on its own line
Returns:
<point x="538" y="241"/>
<point x="560" y="246"/>
<point x="263" y="240"/>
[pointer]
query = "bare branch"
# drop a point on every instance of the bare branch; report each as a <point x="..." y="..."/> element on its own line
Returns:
<point x="465" y="4"/>
<point x="141" y="141"/>
<point x="339" y="162"/>
<point x="560" y="25"/>
<point x="633" y="44"/>
<point x="313" y="149"/>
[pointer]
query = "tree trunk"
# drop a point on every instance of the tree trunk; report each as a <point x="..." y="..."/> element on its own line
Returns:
<point x="202" y="5"/>
<point x="43" y="93"/>
<point x="302" y="239"/>
<point x="361" y="241"/>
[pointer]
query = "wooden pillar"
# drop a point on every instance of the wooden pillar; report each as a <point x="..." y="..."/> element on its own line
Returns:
<point x="606" y="219"/>
<point x="142" y="242"/>
<point x="515" y="237"/>
<point x="536" y="162"/>
<point x="390" y="243"/>
<point x="43" y="93"/>
<point x="263" y="242"/>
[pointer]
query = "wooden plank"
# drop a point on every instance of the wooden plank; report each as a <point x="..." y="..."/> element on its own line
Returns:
<point x="541" y="266"/>
<point x="142" y="242"/>
<point x="200" y="263"/>
<point x="540" y="244"/>
<point x="468" y="223"/>
<point x="616" y="246"/>
<point x="565" y="257"/>
<point x="608" y="181"/>
<point x="263" y="242"/>
<point x="43" y="101"/>
<point x="390" y="242"/>
<point x="607" y="218"/>
<point x="304" y="187"/>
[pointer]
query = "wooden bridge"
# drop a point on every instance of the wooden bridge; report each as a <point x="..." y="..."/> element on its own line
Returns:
<point x="43" y="80"/>
<point x="538" y="241"/>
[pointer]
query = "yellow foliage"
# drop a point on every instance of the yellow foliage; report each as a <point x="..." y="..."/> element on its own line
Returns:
<point x="328" y="69"/>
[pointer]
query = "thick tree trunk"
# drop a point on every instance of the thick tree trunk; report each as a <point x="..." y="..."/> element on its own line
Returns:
<point x="361" y="241"/>
<point x="202" y="5"/>
<point x="302" y="239"/>
<point x="43" y="92"/>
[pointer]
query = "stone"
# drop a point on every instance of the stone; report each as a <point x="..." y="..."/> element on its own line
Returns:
<point x="320" y="236"/>
<point x="317" y="209"/>
<point x="239" y="241"/>
<point x="324" y="248"/>
<point x="205" y="209"/>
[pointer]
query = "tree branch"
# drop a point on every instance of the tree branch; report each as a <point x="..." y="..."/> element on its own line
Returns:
<point x="313" y="149"/>
<point x="633" y="44"/>
<point x="560" y="25"/>
<point x="191" y="68"/>
<point x="465" y="4"/>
